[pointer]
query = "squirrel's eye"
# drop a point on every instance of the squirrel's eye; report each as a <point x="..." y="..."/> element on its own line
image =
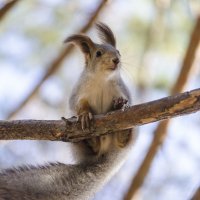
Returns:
<point x="98" y="53"/>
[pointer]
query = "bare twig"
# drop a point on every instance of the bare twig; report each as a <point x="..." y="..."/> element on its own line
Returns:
<point x="70" y="130"/>
<point x="6" y="8"/>
<point x="161" y="130"/>
<point x="55" y="65"/>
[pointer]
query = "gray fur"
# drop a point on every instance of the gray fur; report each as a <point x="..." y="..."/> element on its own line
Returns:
<point x="100" y="83"/>
<point x="106" y="34"/>
<point x="60" y="181"/>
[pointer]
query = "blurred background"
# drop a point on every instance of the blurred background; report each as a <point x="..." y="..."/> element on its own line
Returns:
<point x="153" y="38"/>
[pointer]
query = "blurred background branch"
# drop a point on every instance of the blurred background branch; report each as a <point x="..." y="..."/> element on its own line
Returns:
<point x="161" y="131"/>
<point x="196" y="195"/>
<point x="6" y="8"/>
<point x="56" y="63"/>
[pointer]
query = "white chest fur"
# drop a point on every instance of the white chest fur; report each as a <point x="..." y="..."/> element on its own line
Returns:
<point x="101" y="92"/>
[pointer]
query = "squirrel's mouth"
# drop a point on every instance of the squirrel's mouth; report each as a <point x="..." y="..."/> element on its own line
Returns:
<point x="114" y="67"/>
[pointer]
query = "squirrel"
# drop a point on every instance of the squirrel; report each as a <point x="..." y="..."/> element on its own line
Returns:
<point x="100" y="89"/>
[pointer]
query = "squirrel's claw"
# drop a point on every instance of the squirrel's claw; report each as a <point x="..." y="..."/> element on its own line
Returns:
<point x="85" y="120"/>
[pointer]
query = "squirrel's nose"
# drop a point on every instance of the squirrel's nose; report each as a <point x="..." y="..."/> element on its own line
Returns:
<point x="115" y="60"/>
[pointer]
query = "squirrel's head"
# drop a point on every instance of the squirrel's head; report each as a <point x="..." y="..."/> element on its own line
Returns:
<point x="98" y="57"/>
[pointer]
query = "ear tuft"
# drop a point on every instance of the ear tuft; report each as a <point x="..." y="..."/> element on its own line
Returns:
<point x="106" y="34"/>
<point x="83" y="41"/>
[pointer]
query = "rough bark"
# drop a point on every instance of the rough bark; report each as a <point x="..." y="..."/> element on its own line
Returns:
<point x="137" y="115"/>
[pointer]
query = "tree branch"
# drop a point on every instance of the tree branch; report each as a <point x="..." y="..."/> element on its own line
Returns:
<point x="70" y="131"/>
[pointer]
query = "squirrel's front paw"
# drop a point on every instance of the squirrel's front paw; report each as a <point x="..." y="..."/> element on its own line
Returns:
<point x="85" y="119"/>
<point x="120" y="103"/>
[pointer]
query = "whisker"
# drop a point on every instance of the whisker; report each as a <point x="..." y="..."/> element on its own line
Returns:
<point x="128" y="73"/>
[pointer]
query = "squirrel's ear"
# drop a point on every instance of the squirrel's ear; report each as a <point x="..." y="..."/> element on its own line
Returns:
<point x="106" y="34"/>
<point x="84" y="42"/>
